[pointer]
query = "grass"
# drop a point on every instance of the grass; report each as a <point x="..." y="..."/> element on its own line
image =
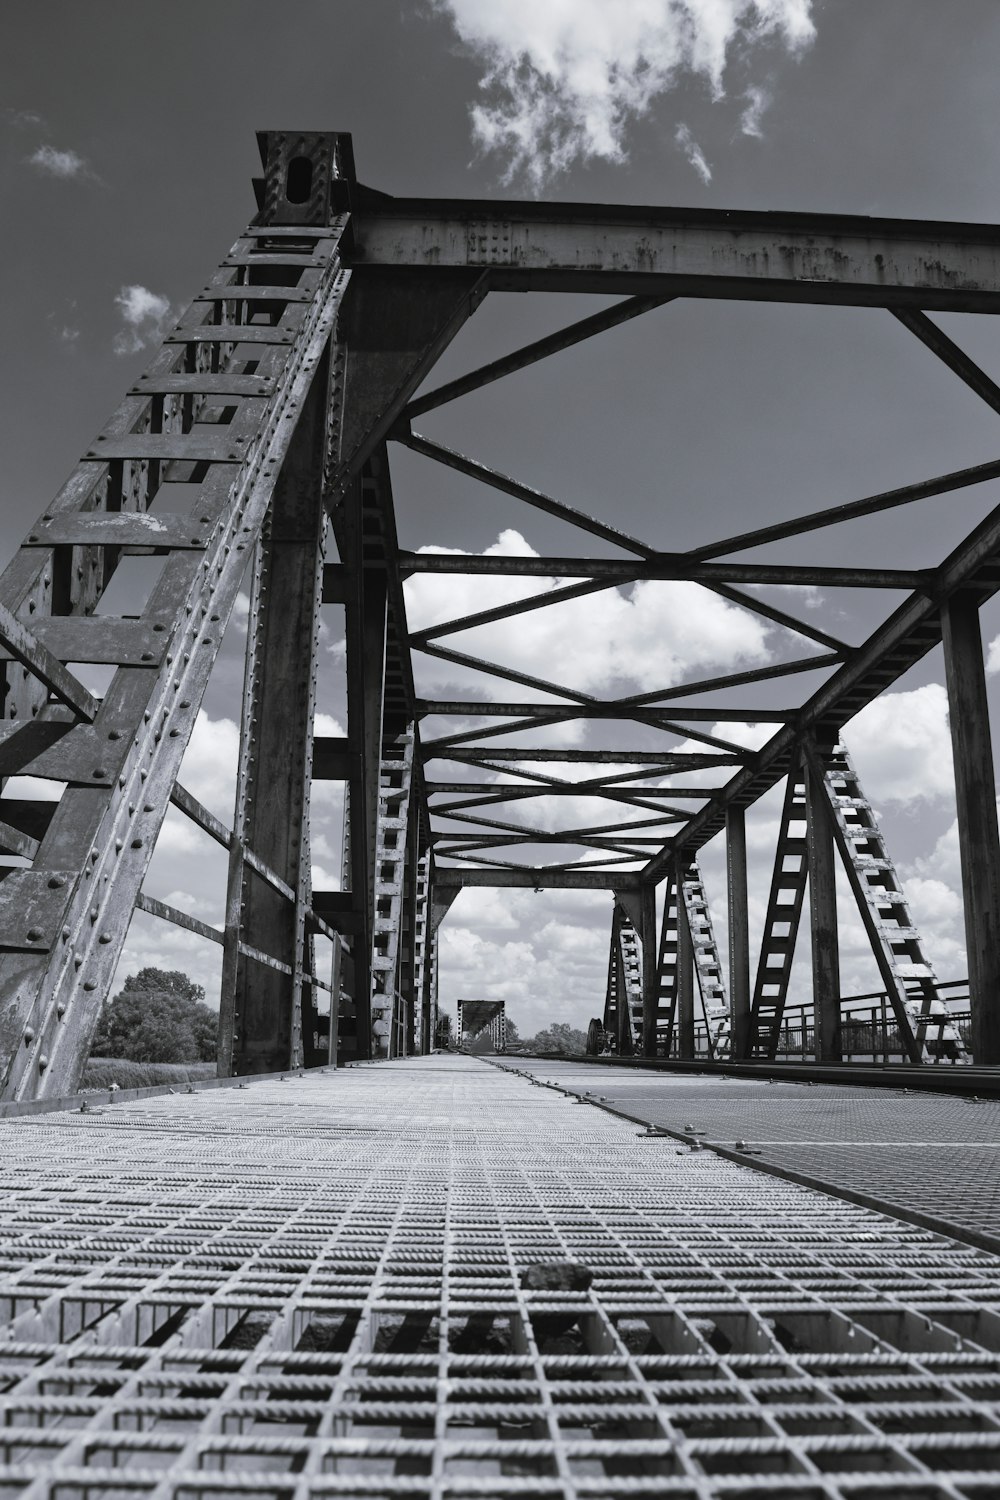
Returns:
<point x="102" y="1072"/>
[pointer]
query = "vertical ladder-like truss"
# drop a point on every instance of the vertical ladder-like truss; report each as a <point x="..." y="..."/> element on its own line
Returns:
<point x="623" y="996"/>
<point x="707" y="963"/>
<point x="781" y="922"/>
<point x="392" y="856"/>
<point x="687" y="937"/>
<point x="896" y="943"/>
<point x="218" y="411"/>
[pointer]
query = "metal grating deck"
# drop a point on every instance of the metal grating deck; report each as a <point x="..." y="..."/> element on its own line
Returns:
<point x="930" y="1154"/>
<point x="315" y="1288"/>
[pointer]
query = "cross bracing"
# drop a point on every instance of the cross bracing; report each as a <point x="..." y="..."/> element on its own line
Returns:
<point x="278" y="400"/>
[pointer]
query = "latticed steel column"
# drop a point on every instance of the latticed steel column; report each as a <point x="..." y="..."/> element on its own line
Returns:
<point x="264" y="989"/>
<point x="216" y="410"/>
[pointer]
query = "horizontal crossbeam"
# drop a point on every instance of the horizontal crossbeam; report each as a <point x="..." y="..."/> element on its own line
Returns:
<point x="785" y="257"/>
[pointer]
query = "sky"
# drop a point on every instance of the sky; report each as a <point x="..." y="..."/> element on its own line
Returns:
<point x="126" y="152"/>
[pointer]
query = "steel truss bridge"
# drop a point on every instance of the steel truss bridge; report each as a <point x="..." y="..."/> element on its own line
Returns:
<point x="441" y="1277"/>
<point x="274" y="404"/>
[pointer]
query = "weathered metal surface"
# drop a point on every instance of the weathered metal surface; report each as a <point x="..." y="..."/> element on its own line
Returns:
<point x="121" y="768"/>
<point x="819" y="258"/>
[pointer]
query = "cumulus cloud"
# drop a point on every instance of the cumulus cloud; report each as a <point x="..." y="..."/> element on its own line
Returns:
<point x="144" y="313"/>
<point x="652" y="634"/>
<point x="63" y="164"/>
<point x="562" y="81"/>
<point x="693" y="153"/>
<point x="901" y="745"/>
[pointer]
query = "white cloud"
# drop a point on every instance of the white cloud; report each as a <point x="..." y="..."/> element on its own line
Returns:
<point x="327" y="725"/>
<point x="55" y="163"/>
<point x="208" y="769"/>
<point x="563" y="80"/>
<point x="693" y="153"/>
<point x="145" y="314"/>
<point x="993" y="656"/>
<point x="651" y="635"/>
<point x="757" y="101"/>
<point x="902" y="746"/>
<point x="22" y="119"/>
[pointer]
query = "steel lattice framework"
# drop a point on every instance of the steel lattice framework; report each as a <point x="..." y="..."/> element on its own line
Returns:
<point x="273" y="402"/>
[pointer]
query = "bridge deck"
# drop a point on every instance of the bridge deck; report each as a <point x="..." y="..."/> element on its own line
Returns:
<point x="317" y="1287"/>
<point x="923" y="1155"/>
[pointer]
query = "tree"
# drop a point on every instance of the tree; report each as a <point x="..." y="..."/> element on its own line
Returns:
<point x="510" y="1030"/>
<point x="559" y="1037"/>
<point x="157" y="1016"/>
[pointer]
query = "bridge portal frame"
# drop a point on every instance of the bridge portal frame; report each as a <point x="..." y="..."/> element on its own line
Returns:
<point x="273" y="400"/>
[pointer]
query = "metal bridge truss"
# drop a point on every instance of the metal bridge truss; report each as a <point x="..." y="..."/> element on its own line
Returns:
<point x="256" y="445"/>
<point x="482" y="1025"/>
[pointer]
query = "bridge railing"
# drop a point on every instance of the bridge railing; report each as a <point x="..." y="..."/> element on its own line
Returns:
<point x="868" y="1029"/>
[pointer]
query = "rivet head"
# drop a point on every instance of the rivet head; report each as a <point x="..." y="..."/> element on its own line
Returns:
<point x="90" y="984"/>
<point x="56" y="882"/>
<point x="61" y="1009"/>
<point x="105" y="937"/>
<point x="99" y="773"/>
<point x="114" y="734"/>
<point x="29" y="1034"/>
<point x="137" y="843"/>
<point x="34" y="934"/>
<point x="43" y="1062"/>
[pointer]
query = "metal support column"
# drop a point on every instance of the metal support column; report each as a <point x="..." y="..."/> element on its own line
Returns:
<point x="685" y="972"/>
<point x="975" y="799"/>
<point x="739" y="929"/>
<point x="261" y="1003"/>
<point x="650" y="970"/>
<point x="821" y="861"/>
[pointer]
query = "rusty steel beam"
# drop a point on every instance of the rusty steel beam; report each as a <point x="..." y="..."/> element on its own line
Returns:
<point x="668" y="567"/>
<point x="843" y="259"/>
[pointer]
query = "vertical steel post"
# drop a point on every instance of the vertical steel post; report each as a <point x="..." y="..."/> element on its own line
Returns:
<point x="823" y="916"/>
<point x="975" y="799"/>
<point x="650" y="969"/>
<point x="262" y="1005"/>
<point x="739" y="930"/>
<point x="685" y="972"/>
<point x="335" y="965"/>
<point x="365" y="630"/>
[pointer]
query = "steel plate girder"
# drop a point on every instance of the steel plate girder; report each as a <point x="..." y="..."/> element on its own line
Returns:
<point x="789" y="257"/>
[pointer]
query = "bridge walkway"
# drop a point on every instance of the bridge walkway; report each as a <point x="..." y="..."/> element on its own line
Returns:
<point x="431" y="1277"/>
<point x="931" y="1157"/>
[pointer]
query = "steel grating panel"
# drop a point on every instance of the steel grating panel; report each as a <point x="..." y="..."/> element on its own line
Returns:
<point x="315" y="1287"/>
<point x="926" y="1153"/>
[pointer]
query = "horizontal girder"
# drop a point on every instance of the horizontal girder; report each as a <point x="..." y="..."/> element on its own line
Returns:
<point x="785" y="257"/>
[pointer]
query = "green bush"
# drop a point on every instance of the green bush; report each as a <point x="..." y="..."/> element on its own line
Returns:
<point x="157" y="1017"/>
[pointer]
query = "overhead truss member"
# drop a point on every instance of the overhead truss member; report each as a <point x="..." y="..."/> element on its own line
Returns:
<point x="273" y="402"/>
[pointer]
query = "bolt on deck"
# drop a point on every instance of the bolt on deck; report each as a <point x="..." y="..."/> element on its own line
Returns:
<point x="317" y="1287"/>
